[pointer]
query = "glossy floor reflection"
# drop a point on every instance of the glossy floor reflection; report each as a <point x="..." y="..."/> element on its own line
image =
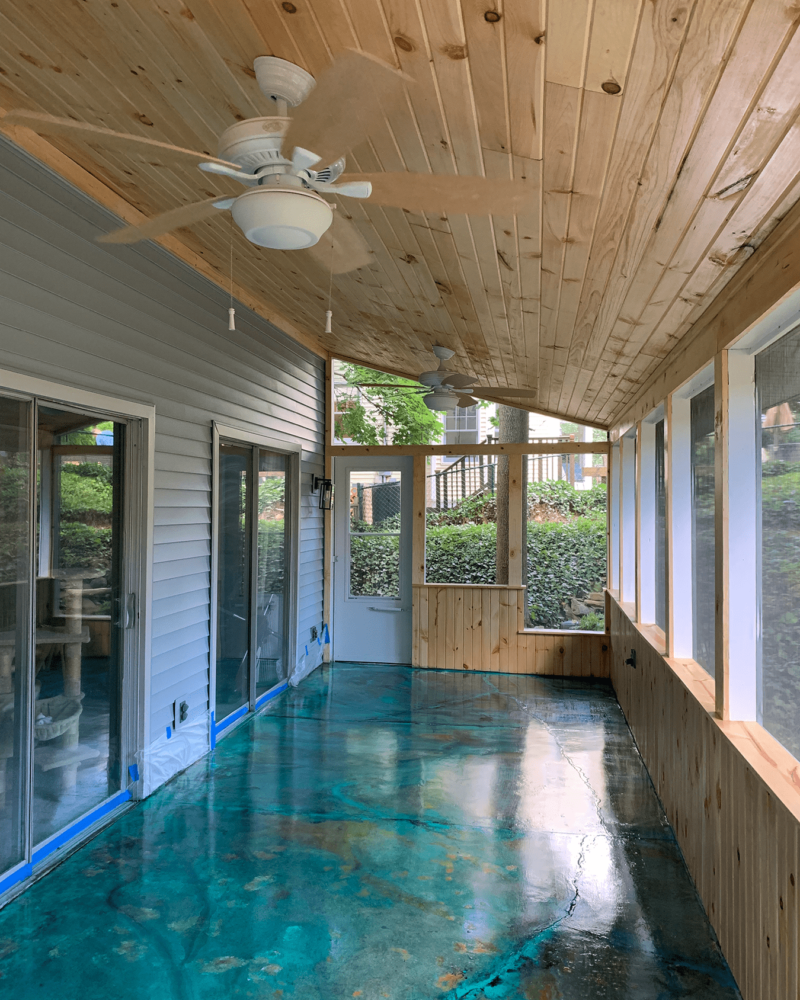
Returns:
<point x="384" y="833"/>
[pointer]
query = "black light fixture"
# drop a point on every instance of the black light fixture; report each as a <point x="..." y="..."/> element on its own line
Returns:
<point x="325" y="487"/>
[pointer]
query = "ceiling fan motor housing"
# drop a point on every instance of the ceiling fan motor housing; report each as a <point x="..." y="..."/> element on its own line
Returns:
<point x="254" y="143"/>
<point x="282" y="218"/>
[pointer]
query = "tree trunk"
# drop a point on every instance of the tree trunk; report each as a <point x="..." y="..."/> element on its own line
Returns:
<point x="513" y="429"/>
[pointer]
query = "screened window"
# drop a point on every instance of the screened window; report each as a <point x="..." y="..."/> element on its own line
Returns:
<point x="778" y="387"/>
<point x="661" y="529"/>
<point x="702" y="466"/>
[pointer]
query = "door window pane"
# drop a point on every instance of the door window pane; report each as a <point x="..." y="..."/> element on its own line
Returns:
<point x="78" y="608"/>
<point x="15" y="506"/>
<point x="375" y="534"/>
<point x="233" y="579"/>
<point x="702" y="459"/>
<point x="271" y="579"/>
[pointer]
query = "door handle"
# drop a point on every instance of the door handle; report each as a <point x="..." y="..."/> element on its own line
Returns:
<point x="395" y="611"/>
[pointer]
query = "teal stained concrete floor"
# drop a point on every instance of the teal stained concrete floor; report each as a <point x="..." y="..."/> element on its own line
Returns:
<point x="384" y="833"/>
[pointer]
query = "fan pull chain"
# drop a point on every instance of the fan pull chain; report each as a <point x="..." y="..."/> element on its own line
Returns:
<point x="329" y="311"/>
<point x="231" y="310"/>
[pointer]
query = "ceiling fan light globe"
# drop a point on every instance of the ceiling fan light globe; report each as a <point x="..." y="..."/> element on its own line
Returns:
<point x="282" y="218"/>
<point x="440" y="402"/>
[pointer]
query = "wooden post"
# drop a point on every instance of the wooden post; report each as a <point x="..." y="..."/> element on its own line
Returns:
<point x="419" y="505"/>
<point x="327" y="519"/>
<point x="515" y="526"/>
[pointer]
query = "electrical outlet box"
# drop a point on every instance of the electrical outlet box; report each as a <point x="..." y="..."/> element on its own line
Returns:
<point x="180" y="713"/>
<point x="314" y="632"/>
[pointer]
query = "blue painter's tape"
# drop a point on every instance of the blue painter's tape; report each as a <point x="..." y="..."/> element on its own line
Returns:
<point x="306" y="650"/>
<point x="82" y="824"/>
<point x="169" y="732"/>
<point x="233" y="717"/>
<point x="133" y="771"/>
<point x="23" y="872"/>
<point x="213" y="736"/>
<point x="326" y="634"/>
<point x="272" y="693"/>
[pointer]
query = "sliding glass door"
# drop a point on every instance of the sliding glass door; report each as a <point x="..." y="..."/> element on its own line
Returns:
<point x="62" y="617"/>
<point x="253" y="560"/>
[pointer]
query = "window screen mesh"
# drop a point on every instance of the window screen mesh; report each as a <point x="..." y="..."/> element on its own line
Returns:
<point x="702" y="459"/>
<point x="778" y="385"/>
<point x="661" y="530"/>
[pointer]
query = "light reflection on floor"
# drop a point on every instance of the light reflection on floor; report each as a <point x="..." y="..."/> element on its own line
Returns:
<point x="384" y="833"/>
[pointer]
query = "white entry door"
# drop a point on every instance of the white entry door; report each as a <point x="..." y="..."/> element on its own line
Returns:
<point x="372" y="560"/>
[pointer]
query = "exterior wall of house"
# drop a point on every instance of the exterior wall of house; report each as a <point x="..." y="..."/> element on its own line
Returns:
<point x="135" y="323"/>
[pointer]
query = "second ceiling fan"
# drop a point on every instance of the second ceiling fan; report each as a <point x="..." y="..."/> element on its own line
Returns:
<point x="444" y="390"/>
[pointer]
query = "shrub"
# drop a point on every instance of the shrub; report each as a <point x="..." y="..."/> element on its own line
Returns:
<point x="564" y="560"/>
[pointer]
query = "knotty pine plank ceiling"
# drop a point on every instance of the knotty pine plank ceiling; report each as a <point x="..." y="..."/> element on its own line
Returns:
<point x="661" y="136"/>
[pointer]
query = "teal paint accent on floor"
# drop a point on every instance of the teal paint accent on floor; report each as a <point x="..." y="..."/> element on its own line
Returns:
<point x="382" y="832"/>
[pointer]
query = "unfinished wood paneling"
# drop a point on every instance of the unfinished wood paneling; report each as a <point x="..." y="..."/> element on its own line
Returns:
<point x="732" y="795"/>
<point x="463" y="627"/>
<point x="659" y="140"/>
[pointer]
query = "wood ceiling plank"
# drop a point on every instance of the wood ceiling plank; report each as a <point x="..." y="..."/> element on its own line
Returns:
<point x="215" y="90"/>
<point x="613" y="31"/>
<point x="482" y="288"/>
<point x="758" y="149"/>
<point x="411" y="51"/>
<point x="472" y="352"/>
<point x="487" y="66"/>
<point x="661" y="30"/>
<point x="529" y="262"/>
<point x="730" y="108"/>
<point x="562" y="114"/>
<point x="754" y="220"/>
<point x="691" y="97"/>
<point x="272" y="24"/>
<point x="598" y="121"/>
<point x="112" y="75"/>
<point x="447" y="44"/>
<point x="524" y="39"/>
<point x="566" y="43"/>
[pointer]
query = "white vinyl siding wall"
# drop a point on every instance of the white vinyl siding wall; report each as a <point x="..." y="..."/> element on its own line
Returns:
<point x="136" y="323"/>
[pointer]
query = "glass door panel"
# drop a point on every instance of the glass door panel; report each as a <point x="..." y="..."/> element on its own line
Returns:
<point x="15" y="572"/>
<point x="233" y="579"/>
<point x="272" y="572"/>
<point x="375" y="512"/>
<point x="78" y="611"/>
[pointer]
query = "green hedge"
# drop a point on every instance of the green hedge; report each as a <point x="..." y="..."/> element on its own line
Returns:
<point x="564" y="560"/>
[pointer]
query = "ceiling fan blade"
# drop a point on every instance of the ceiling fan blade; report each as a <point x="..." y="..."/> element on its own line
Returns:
<point x="458" y="381"/>
<point x="45" y="124"/>
<point x="445" y="194"/>
<point x="342" y="248"/>
<point x="480" y="390"/>
<point x="347" y="103"/>
<point x="465" y="401"/>
<point x="160" y="224"/>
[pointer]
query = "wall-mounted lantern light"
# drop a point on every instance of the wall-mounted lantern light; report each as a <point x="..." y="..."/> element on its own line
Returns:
<point x="325" y="487"/>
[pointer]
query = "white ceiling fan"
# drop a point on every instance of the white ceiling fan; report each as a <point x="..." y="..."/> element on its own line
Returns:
<point x="444" y="390"/>
<point x="275" y="158"/>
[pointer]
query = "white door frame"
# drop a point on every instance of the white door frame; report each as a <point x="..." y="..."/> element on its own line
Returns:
<point x="293" y="451"/>
<point x="342" y="465"/>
